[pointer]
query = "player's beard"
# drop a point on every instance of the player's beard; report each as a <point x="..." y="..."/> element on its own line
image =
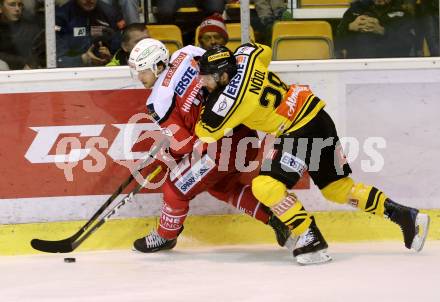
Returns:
<point x="217" y="92"/>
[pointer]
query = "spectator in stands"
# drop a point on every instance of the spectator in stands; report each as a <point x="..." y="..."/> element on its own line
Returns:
<point x="271" y="10"/>
<point x="29" y="8"/>
<point x="267" y="12"/>
<point x="21" y="41"/>
<point x="427" y="26"/>
<point x="166" y="9"/>
<point x="212" y="32"/>
<point x="34" y="11"/>
<point x="376" y="29"/>
<point x="131" y="36"/>
<point x="129" y="9"/>
<point x="88" y="33"/>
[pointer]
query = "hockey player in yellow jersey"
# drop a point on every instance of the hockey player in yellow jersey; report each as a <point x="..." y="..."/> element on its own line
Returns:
<point x="255" y="97"/>
<point x="244" y="91"/>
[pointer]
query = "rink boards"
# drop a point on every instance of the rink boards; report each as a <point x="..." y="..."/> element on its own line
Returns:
<point x="386" y="109"/>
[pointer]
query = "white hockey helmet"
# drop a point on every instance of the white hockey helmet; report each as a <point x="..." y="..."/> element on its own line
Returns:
<point x="146" y="54"/>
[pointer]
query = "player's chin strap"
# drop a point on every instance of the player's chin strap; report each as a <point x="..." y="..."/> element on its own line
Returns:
<point x="154" y="70"/>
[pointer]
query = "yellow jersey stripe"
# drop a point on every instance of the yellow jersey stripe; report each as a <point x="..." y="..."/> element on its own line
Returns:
<point x="312" y="109"/>
<point x="303" y="109"/>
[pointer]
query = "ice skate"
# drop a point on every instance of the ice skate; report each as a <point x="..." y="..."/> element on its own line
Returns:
<point x="153" y="242"/>
<point x="282" y="232"/>
<point x="311" y="247"/>
<point x="414" y="225"/>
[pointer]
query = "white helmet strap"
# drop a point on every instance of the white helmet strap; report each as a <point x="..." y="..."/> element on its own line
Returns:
<point x="154" y="69"/>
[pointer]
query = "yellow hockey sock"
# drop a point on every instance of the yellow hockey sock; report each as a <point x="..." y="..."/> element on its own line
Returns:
<point x="365" y="197"/>
<point x="284" y="205"/>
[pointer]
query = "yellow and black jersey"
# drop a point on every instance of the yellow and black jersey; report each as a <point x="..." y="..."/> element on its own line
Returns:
<point x="257" y="98"/>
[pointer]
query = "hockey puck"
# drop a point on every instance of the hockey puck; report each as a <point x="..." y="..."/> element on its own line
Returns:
<point x="69" y="260"/>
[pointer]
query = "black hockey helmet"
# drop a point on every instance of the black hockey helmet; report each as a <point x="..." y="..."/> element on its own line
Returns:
<point x="217" y="60"/>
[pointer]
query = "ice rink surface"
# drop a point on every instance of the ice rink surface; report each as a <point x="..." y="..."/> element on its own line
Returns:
<point x="369" y="272"/>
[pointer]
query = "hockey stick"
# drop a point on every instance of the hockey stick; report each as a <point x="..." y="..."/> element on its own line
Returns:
<point x="69" y="244"/>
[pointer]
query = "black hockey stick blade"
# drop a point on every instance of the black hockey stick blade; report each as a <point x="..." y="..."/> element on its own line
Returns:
<point x="70" y="244"/>
<point x="53" y="246"/>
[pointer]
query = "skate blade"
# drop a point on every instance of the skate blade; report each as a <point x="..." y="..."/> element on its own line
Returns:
<point x="313" y="258"/>
<point x="422" y="223"/>
<point x="291" y="242"/>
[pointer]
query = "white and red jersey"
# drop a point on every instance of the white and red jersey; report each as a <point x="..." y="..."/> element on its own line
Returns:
<point x="176" y="98"/>
<point x="175" y="104"/>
